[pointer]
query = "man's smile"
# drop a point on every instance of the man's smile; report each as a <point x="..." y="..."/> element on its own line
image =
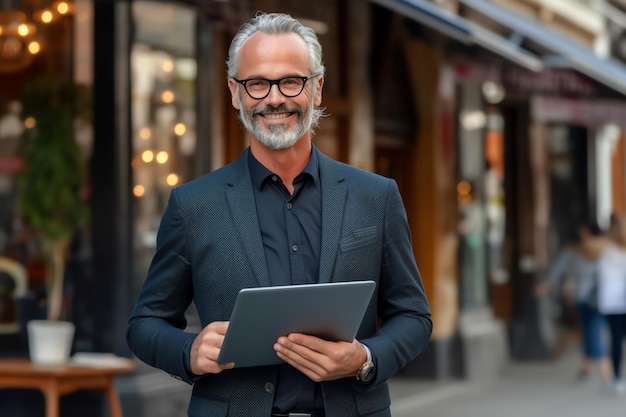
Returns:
<point x="276" y="115"/>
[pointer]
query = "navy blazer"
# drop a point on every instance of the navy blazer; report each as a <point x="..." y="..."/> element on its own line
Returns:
<point x="209" y="247"/>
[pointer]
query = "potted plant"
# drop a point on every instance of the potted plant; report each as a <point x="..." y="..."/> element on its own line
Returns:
<point x="52" y="181"/>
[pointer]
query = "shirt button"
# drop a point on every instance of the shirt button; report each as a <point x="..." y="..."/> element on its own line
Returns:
<point x="274" y="178"/>
<point x="295" y="248"/>
<point x="269" y="387"/>
<point x="289" y="206"/>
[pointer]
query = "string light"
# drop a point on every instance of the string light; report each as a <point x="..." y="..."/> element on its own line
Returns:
<point x="147" y="156"/>
<point x="172" y="179"/>
<point x="139" y="190"/>
<point x="180" y="129"/>
<point x="145" y="133"/>
<point x="34" y="47"/>
<point x="30" y="122"/>
<point x="62" y="7"/>
<point x="18" y="34"/>
<point x="167" y="96"/>
<point x="162" y="157"/>
<point x="45" y="16"/>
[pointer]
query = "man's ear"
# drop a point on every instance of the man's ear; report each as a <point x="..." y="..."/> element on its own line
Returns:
<point x="232" y="86"/>
<point x="318" y="92"/>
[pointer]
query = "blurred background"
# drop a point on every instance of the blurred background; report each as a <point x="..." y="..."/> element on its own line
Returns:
<point x="502" y="122"/>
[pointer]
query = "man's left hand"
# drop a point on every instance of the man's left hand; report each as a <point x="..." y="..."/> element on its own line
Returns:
<point x="320" y="359"/>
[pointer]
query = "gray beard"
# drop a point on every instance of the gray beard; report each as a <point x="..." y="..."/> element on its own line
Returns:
<point x="274" y="136"/>
<point x="279" y="136"/>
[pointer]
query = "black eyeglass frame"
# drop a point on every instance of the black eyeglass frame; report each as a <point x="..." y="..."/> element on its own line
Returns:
<point x="277" y="83"/>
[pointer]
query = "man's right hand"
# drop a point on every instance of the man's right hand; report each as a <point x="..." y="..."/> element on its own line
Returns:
<point x="206" y="348"/>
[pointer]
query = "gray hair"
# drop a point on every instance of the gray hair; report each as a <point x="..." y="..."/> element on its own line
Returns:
<point x="274" y="23"/>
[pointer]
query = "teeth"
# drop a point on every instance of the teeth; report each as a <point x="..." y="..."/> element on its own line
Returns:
<point x="275" y="115"/>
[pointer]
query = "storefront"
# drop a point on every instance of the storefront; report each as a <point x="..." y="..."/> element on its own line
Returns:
<point x="460" y="116"/>
<point x="525" y="172"/>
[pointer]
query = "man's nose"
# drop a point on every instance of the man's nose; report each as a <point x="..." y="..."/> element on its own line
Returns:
<point x="275" y="95"/>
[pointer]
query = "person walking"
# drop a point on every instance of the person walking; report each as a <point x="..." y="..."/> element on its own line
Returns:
<point x="283" y="213"/>
<point x="578" y="261"/>
<point x="612" y="295"/>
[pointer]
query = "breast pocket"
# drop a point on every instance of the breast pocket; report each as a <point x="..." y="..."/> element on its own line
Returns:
<point x="359" y="238"/>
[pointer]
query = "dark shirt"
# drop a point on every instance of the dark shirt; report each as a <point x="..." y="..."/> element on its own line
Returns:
<point x="291" y="227"/>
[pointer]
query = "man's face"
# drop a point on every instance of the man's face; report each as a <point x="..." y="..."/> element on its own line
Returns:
<point x="276" y="121"/>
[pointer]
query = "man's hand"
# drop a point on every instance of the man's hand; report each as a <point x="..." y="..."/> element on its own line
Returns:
<point x="319" y="359"/>
<point x="206" y="347"/>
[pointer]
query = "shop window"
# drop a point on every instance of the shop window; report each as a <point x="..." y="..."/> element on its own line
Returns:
<point x="45" y="47"/>
<point x="163" y="114"/>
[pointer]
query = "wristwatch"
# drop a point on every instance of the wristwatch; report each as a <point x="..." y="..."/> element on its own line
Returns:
<point x="366" y="371"/>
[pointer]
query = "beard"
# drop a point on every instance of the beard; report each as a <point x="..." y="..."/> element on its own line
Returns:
<point x="280" y="136"/>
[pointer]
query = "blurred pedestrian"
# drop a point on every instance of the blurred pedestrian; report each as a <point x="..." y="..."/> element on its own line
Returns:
<point x="612" y="294"/>
<point x="578" y="261"/>
<point x="281" y="214"/>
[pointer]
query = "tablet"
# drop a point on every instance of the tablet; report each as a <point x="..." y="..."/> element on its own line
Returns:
<point x="333" y="311"/>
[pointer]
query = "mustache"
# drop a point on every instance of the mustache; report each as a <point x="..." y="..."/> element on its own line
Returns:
<point x="279" y="109"/>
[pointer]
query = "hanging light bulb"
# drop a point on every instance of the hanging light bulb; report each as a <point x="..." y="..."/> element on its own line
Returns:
<point x="34" y="47"/>
<point x="18" y="42"/>
<point x="16" y="35"/>
<point x="45" y="16"/>
<point x="62" y="7"/>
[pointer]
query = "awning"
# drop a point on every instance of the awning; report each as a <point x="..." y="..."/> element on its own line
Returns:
<point x="430" y="15"/>
<point x="609" y="72"/>
<point x="461" y="29"/>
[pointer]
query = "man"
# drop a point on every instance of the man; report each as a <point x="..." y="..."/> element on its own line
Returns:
<point x="281" y="214"/>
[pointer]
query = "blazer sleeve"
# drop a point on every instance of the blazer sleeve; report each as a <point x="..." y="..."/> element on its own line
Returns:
<point x="403" y="311"/>
<point x="155" y="329"/>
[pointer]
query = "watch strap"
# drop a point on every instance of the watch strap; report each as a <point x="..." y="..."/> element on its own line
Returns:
<point x="364" y="373"/>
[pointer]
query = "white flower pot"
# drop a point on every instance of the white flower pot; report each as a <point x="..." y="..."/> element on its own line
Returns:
<point x="50" y="342"/>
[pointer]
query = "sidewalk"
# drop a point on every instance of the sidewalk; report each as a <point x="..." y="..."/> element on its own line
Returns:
<point x="525" y="389"/>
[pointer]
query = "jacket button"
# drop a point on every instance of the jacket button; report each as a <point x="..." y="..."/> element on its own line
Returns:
<point x="269" y="387"/>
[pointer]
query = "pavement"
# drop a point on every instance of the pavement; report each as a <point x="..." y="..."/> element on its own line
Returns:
<point x="544" y="388"/>
<point x="524" y="389"/>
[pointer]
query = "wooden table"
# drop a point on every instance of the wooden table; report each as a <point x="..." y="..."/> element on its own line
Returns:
<point x="54" y="381"/>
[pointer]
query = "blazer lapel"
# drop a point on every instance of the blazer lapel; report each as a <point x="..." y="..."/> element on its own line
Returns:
<point x="240" y="196"/>
<point x="334" y="189"/>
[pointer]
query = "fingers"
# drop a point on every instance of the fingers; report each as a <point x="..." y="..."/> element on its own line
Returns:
<point x="301" y="357"/>
<point x="206" y="348"/>
<point x="319" y="359"/>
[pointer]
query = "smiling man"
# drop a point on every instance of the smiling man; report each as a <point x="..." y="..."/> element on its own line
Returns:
<point x="281" y="214"/>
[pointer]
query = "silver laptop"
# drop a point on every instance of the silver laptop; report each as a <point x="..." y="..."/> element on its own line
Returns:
<point x="333" y="311"/>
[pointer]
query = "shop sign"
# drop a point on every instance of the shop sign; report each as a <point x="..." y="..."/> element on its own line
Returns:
<point x="520" y="80"/>
<point x="591" y="113"/>
<point x="548" y="81"/>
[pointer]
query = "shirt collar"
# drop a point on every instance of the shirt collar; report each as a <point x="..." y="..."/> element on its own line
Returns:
<point x="260" y="173"/>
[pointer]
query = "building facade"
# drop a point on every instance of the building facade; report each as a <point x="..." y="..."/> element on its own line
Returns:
<point x="502" y="122"/>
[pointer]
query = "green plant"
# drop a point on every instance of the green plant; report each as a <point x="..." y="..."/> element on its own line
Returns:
<point x="51" y="182"/>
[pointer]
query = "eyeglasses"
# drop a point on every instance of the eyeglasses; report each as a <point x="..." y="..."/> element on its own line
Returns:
<point x="259" y="88"/>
